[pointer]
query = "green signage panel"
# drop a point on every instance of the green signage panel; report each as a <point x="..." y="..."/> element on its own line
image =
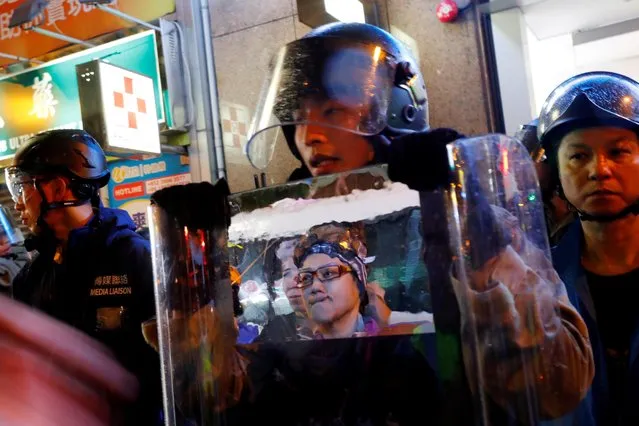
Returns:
<point x="47" y="97"/>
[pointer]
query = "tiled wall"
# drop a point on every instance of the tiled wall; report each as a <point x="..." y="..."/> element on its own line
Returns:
<point x="248" y="32"/>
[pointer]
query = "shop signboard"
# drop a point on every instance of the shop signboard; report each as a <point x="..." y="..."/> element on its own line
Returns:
<point x="118" y="108"/>
<point x="134" y="181"/>
<point x="70" y="17"/>
<point x="47" y="97"/>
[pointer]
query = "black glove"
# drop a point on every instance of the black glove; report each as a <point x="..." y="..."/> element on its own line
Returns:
<point x="486" y="235"/>
<point x="196" y="205"/>
<point x="420" y="160"/>
<point x="299" y="174"/>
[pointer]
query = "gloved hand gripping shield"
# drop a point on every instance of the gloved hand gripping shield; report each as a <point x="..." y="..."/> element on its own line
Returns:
<point x="518" y="328"/>
<point x="328" y="82"/>
<point x="202" y="372"/>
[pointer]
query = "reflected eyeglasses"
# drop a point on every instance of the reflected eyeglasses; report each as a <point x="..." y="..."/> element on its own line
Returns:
<point x="327" y="273"/>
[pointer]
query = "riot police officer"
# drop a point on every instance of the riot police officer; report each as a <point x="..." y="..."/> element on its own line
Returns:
<point x="589" y="128"/>
<point x="558" y="213"/>
<point x="92" y="270"/>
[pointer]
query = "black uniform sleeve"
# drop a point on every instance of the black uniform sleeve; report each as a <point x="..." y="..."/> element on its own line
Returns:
<point x="18" y="284"/>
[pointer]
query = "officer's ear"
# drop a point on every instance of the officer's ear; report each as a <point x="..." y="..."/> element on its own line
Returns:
<point x="59" y="188"/>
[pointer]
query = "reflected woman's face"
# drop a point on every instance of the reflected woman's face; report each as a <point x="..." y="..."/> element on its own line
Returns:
<point x="330" y="301"/>
<point x="292" y="292"/>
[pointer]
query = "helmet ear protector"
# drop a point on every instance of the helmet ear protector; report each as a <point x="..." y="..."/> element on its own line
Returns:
<point x="408" y="109"/>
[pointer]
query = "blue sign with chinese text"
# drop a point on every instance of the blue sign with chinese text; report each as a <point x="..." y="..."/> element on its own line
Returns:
<point x="134" y="181"/>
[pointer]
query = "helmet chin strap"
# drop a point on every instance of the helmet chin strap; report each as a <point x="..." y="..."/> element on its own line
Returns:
<point x="70" y="203"/>
<point x="631" y="209"/>
<point x="45" y="206"/>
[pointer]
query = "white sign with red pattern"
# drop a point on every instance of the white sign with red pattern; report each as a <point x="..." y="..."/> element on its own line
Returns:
<point x="235" y="123"/>
<point x="129" y="109"/>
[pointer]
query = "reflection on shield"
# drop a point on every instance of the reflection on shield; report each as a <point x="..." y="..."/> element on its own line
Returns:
<point x="362" y="222"/>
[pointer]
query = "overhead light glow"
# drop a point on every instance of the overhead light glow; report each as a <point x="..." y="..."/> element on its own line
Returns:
<point x="346" y="10"/>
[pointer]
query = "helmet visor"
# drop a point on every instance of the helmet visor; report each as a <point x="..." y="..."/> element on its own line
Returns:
<point x="19" y="183"/>
<point x="613" y="93"/>
<point x="327" y="82"/>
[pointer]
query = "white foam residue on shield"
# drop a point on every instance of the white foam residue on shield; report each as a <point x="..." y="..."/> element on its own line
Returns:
<point x="290" y="217"/>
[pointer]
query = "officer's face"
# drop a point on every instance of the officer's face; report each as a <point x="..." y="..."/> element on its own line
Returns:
<point x="28" y="204"/>
<point x="325" y="149"/>
<point x="599" y="168"/>
<point x="54" y="189"/>
<point x="331" y="301"/>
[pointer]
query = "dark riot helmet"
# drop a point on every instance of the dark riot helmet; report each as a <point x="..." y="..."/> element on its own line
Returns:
<point x="594" y="99"/>
<point x="358" y="66"/>
<point x="71" y="153"/>
<point x="527" y="135"/>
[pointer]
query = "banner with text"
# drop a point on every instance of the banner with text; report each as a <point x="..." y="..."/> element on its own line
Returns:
<point x="72" y="18"/>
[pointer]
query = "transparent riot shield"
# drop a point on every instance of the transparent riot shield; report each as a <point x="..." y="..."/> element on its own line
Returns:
<point x="332" y="323"/>
<point x="525" y="348"/>
<point x="10" y="233"/>
<point x="202" y="371"/>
